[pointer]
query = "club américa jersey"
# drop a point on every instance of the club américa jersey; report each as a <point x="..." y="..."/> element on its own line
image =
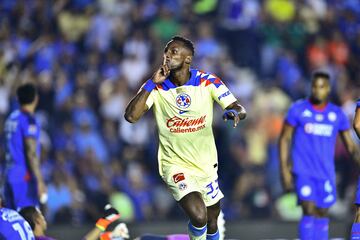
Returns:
<point x="313" y="145"/>
<point x="184" y="117"/>
<point x="19" y="126"/>
<point x="13" y="226"/>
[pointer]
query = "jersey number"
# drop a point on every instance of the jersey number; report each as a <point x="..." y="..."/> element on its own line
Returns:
<point x="24" y="231"/>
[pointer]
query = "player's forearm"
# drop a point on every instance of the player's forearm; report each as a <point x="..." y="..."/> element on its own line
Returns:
<point x="137" y="106"/>
<point x="284" y="146"/>
<point x="35" y="168"/>
<point x="33" y="159"/>
<point x="94" y="234"/>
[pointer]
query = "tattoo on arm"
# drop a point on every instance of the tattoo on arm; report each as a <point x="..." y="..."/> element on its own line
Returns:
<point x="32" y="158"/>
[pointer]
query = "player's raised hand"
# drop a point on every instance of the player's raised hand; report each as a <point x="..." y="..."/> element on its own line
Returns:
<point x="161" y="74"/>
<point x="110" y="215"/>
<point x="232" y="115"/>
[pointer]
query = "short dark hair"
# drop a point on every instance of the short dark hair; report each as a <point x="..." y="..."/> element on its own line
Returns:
<point x="29" y="214"/>
<point x="26" y="93"/>
<point x="188" y="43"/>
<point x="320" y="74"/>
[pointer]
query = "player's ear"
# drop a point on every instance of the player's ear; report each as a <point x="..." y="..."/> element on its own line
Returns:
<point x="188" y="59"/>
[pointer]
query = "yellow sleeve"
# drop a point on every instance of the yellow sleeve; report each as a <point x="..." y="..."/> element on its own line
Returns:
<point x="222" y="95"/>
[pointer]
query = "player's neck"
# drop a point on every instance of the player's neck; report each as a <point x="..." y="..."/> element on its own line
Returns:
<point x="318" y="105"/>
<point x="28" y="108"/>
<point x="180" y="77"/>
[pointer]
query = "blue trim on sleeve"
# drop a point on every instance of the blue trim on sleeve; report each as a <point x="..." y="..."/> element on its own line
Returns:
<point x="196" y="79"/>
<point x="149" y="85"/>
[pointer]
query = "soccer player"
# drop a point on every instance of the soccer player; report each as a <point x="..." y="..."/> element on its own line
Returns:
<point x="37" y="222"/>
<point x="13" y="226"/>
<point x="24" y="184"/>
<point x="310" y="131"/>
<point x="107" y="227"/>
<point x="182" y="100"/>
<point x="355" y="230"/>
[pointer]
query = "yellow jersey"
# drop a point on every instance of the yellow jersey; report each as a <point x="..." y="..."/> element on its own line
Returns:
<point x="184" y="116"/>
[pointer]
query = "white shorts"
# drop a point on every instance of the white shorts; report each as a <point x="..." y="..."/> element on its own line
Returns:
<point x="182" y="182"/>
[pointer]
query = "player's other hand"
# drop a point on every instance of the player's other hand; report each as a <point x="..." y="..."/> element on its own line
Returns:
<point x="42" y="191"/>
<point x="161" y="74"/>
<point x="232" y="115"/>
<point x="110" y="216"/>
<point x="120" y="230"/>
<point x="117" y="230"/>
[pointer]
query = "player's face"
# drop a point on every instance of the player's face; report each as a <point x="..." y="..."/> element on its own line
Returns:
<point x="41" y="220"/>
<point x="175" y="54"/>
<point x="320" y="89"/>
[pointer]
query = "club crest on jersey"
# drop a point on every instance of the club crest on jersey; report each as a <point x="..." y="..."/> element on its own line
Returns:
<point x="182" y="186"/>
<point x="319" y="117"/>
<point x="178" y="177"/>
<point x="183" y="100"/>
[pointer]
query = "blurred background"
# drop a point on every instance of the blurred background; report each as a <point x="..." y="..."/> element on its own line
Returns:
<point x="89" y="57"/>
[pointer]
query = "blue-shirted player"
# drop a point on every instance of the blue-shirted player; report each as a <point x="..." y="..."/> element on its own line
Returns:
<point x="355" y="230"/>
<point x="13" y="226"/>
<point x="24" y="184"/>
<point x="308" y="140"/>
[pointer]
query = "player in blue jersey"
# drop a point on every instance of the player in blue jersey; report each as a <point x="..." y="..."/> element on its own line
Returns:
<point x="13" y="226"/>
<point x="355" y="230"/>
<point x="308" y="140"/>
<point x="24" y="184"/>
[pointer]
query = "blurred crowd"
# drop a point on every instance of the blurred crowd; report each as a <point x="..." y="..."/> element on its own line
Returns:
<point x="89" y="57"/>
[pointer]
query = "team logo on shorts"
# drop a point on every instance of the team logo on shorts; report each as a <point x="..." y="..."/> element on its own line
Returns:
<point x="183" y="100"/>
<point x="182" y="186"/>
<point x="178" y="177"/>
<point x="305" y="191"/>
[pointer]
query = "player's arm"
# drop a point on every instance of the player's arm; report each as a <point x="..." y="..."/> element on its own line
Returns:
<point x="235" y="111"/>
<point x="93" y="234"/>
<point x="137" y="106"/>
<point x="108" y="226"/>
<point x="285" y="141"/>
<point x="350" y="145"/>
<point x="356" y="123"/>
<point x="34" y="164"/>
